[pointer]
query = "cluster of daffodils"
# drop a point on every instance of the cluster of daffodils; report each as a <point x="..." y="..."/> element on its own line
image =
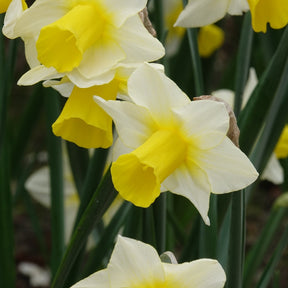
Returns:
<point x="96" y="53"/>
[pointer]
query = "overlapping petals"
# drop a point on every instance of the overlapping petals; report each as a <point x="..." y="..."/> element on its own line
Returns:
<point x="83" y="39"/>
<point x="82" y="121"/>
<point x="136" y="264"/>
<point x="174" y="143"/>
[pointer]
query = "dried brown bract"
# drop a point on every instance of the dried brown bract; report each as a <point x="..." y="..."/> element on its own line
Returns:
<point x="233" y="132"/>
<point x="146" y="21"/>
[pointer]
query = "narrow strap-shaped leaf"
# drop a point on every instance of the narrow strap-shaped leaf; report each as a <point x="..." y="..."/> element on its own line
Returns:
<point x="275" y="122"/>
<point x="259" y="249"/>
<point x="106" y="241"/>
<point x="252" y="116"/>
<point x="79" y="160"/>
<point x="236" y="241"/>
<point x="196" y="61"/>
<point x="56" y="180"/>
<point x="101" y="200"/>
<point x="243" y="61"/>
<point x="270" y="268"/>
<point x="93" y="177"/>
<point x="160" y="213"/>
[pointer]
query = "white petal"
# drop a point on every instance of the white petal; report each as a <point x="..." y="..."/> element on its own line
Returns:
<point x="134" y="262"/>
<point x="205" y="122"/>
<point x="273" y="171"/>
<point x="119" y="149"/>
<point x="82" y="82"/>
<point x="31" y="51"/>
<point x="123" y="9"/>
<point x="250" y="86"/>
<point x="41" y="13"/>
<point x="139" y="45"/>
<point x="192" y="183"/>
<point x="13" y="13"/>
<point x="226" y="95"/>
<point x="150" y="88"/>
<point x="133" y="123"/>
<point x="227" y="167"/>
<point x="37" y="74"/>
<point x="99" y="279"/>
<point x="237" y="7"/>
<point x="100" y="58"/>
<point x="198" y="13"/>
<point x="203" y="273"/>
<point x="64" y="88"/>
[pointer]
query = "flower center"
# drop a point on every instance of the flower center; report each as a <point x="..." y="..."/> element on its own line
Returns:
<point x="137" y="176"/>
<point x="61" y="44"/>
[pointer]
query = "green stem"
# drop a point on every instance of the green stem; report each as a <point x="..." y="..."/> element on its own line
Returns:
<point x="160" y="212"/>
<point x="196" y="61"/>
<point x="236" y="243"/>
<point x="56" y="181"/>
<point x="101" y="200"/>
<point x="92" y="179"/>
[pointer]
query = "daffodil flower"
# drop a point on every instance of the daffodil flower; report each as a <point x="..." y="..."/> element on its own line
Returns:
<point x="273" y="171"/>
<point x="84" y="39"/>
<point x="273" y="12"/>
<point x="198" y="13"/>
<point x="175" y="142"/>
<point x="136" y="264"/>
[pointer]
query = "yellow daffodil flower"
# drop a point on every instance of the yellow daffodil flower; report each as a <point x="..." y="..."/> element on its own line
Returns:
<point x="210" y="38"/>
<point x="177" y="143"/>
<point x="281" y="148"/>
<point x="134" y="264"/>
<point x="87" y="38"/>
<point x="198" y="13"/>
<point x="264" y="11"/>
<point x="273" y="171"/>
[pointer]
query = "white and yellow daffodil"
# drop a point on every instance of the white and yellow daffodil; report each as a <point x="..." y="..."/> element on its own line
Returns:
<point x="273" y="171"/>
<point x="177" y="143"/>
<point x="136" y="264"/>
<point x="84" y="39"/>
<point x="264" y="11"/>
<point x="198" y="13"/>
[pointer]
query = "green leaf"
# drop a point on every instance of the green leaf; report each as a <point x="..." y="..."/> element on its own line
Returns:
<point x="253" y="115"/>
<point x="270" y="268"/>
<point x="100" y="202"/>
<point x="56" y="179"/>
